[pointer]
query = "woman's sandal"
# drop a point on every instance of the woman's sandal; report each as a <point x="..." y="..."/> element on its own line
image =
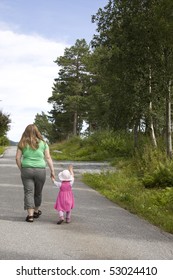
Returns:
<point x="37" y="214"/>
<point x="29" y="219"/>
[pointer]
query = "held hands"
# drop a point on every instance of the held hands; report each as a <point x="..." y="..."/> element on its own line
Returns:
<point x="52" y="176"/>
<point x="70" y="168"/>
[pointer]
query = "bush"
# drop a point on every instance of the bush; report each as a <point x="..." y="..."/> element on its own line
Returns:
<point x="114" y="143"/>
<point x="147" y="159"/>
<point x="162" y="177"/>
<point x="4" y="141"/>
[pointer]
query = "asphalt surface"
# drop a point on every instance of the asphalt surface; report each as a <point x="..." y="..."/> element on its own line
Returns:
<point x="100" y="230"/>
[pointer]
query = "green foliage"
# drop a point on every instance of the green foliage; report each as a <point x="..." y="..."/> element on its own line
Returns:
<point x="45" y="127"/>
<point x="70" y="91"/>
<point x="153" y="167"/>
<point x="4" y="123"/>
<point x="115" y="143"/>
<point x="156" y="206"/>
<point x="103" y="145"/>
<point x="76" y="149"/>
<point x="113" y="84"/>
<point x="147" y="159"/>
<point x="1" y="150"/>
<point x="4" y="141"/>
<point x="162" y="177"/>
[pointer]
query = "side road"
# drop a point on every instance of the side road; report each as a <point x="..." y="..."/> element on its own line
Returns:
<point x="99" y="228"/>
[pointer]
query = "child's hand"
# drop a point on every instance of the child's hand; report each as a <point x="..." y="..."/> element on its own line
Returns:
<point x="70" y="168"/>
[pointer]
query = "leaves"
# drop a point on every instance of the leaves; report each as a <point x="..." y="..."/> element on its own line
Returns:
<point x="4" y="123"/>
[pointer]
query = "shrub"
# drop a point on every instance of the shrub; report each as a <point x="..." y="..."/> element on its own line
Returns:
<point x="162" y="177"/>
<point x="4" y="141"/>
<point x="114" y="143"/>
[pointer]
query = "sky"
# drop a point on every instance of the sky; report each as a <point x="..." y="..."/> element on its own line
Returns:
<point x="32" y="35"/>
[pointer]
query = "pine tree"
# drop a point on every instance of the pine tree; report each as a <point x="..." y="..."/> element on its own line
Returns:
<point x="70" y="90"/>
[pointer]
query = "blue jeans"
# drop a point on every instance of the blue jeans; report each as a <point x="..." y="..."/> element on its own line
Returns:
<point x="33" y="180"/>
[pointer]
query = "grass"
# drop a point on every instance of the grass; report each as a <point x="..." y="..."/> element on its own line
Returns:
<point x="2" y="149"/>
<point x="154" y="205"/>
<point x="76" y="149"/>
<point x="126" y="186"/>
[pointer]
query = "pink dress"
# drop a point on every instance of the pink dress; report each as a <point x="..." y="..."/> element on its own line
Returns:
<point x="65" y="198"/>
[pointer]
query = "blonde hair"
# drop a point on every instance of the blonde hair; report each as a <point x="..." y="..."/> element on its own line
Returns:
<point x="31" y="136"/>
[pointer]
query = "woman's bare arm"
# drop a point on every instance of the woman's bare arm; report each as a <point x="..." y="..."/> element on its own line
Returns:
<point x="50" y="163"/>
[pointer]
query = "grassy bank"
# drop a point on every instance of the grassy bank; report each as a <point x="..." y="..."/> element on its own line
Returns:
<point x="2" y="149"/>
<point x="154" y="205"/>
<point x="143" y="183"/>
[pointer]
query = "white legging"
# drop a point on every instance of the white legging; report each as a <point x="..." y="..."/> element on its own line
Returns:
<point x="61" y="214"/>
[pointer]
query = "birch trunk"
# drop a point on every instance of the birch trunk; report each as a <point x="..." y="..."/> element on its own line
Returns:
<point x="168" y="121"/>
<point x="152" y="132"/>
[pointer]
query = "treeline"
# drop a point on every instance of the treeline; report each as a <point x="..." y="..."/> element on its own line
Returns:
<point x="4" y="128"/>
<point x="122" y="80"/>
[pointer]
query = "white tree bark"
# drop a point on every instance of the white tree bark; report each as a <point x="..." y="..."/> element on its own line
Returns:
<point x="169" y="121"/>
<point x="152" y="132"/>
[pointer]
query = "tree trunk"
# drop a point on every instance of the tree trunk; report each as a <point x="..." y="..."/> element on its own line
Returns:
<point x="75" y="124"/>
<point x="152" y="132"/>
<point x="135" y="131"/>
<point x="168" y="121"/>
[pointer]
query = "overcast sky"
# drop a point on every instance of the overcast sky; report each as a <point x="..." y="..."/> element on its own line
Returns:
<point x="32" y="35"/>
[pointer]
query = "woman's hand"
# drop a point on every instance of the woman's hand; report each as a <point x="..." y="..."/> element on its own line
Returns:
<point x="52" y="176"/>
<point x="18" y="158"/>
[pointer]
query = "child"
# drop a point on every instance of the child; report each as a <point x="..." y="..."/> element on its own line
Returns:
<point x="65" y="198"/>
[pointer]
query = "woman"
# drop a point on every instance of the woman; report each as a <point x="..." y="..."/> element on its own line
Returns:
<point x="31" y="156"/>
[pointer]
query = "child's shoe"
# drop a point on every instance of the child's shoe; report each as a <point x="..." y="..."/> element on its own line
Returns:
<point x="67" y="220"/>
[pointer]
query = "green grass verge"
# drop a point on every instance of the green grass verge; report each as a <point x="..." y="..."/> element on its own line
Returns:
<point x="2" y="149"/>
<point x="154" y="205"/>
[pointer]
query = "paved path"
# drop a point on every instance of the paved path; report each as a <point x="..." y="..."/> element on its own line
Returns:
<point x="99" y="228"/>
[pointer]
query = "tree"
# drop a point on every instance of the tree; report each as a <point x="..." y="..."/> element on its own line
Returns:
<point x="136" y="35"/>
<point x="70" y="90"/>
<point x="164" y="18"/>
<point x="4" y="123"/>
<point x="45" y="126"/>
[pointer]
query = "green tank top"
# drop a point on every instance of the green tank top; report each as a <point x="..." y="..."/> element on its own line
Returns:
<point x="34" y="158"/>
